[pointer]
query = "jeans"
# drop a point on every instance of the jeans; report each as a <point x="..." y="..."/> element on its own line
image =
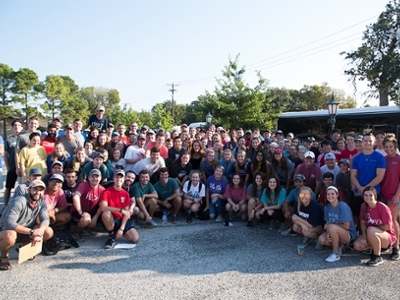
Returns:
<point x="216" y="207"/>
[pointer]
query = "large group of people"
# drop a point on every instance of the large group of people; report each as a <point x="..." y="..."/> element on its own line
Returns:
<point x="339" y="192"/>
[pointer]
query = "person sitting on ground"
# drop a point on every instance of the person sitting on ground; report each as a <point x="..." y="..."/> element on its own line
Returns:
<point x="97" y="163"/>
<point x="291" y="202"/>
<point x="307" y="217"/>
<point x="377" y="228"/>
<point x="114" y="204"/>
<point x="152" y="164"/>
<point x="181" y="168"/>
<point x="339" y="227"/>
<point x="85" y="210"/>
<point x="70" y="185"/>
<point x="272" y="199"/>
<point x="56" y="202"/>
<point x="168" y="192"/>
<point x="236" y="198"/>
<point x="25" y="220"/>
<point x="146" y="197"/>
<point x="254" y="192"/>
<point x="194" y="192"/>
<point x="215" y="190"/>
<point x="128" y="186"/>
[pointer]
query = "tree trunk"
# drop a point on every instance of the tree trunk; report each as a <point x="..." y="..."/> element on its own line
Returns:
<point x="383" y="98"/>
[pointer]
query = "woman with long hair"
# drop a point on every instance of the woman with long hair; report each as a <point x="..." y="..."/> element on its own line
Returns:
<point x="241" y="163"/>
<point x="78" y="161"/>
<point x="228" y="162"/>
<point x="258" y="164"/>
<point x="236" y="197"/>
<point x="255" y="146"/>
<point x="232" y="144"/>
<point x="254" y="193"/>
<point x="197" y="154"/>
<point x="115" y="159"/>
<point x="181" y="168"/>
<point x="377" y="229"/>
<point x="89" y="148"/>
<point x="59" y="154"/>
<point x="102" y="142"/>
<point x="241" y="145"/>
<point x="207" y="166"/>
<point x="339" y="227"/>
<point x="282" y="168"/>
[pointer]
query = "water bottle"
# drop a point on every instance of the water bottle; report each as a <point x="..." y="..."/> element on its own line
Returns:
<point x="164" y="216"/>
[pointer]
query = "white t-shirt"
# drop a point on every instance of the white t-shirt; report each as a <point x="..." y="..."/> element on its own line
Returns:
<point x="146" y="164"/>
<point x="133" y="153"/>
<point x="194" y="191"/>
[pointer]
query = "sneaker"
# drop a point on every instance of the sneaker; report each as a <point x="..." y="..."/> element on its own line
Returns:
<point x="333" y="257"/>
<point x="395" y="254"/>
<point x="174" y="220"/>
<point x="227" y="223"/>
<point x="286" y="232"/>
<point x="283" y="227"/>
<point x="78" y="236"/>
<point x="375" y="261"/>
<point x="153" y="223"/>
<point x="387" y="250"/>
<point x="250" y="224"/>
<point x="367" y="252"/>
<point x="306" y="241"/>
<point x="110" y="244"/>
<point x="189" y="218"/>
<point x="318" y="247"/>
<point x="293" y="233"/>
<point x="219" y="219"/>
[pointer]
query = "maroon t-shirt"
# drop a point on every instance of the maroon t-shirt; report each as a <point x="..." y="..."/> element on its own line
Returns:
<point x="90" y="197"/>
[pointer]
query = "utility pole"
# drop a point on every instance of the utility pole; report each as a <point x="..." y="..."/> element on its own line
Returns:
<point x="172" y="90"/>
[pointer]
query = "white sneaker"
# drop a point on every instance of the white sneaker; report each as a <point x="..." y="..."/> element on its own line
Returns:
<point x="333" y="257"/>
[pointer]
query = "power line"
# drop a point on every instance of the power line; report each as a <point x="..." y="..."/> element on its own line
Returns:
<point x="173" y="90"/>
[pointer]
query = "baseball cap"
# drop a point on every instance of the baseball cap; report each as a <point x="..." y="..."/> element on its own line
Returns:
<point x="184" y="125"/>
<point x="309" y="154"/>
<point x="115" y="134"/>
<point x="101" y="107"/>
<point x="329" y="155"/>
<point x="37" y="183"/>
<point x="268" y="140"/>
<point x="110" y="125"/>
<point x="299" y="177"/>
<point x="278" y="151"/>
<point x="58" y="177"/>
<point x="56" y="163"/>
<point x="120" y="172"/>
<point x="95" y="172"/>
<point x="141" y="137"/>
<point x="150" y="131"/>
<point x="69" y="126"/>
<point x="344" y="161"/>
<point x="359" y="138"/>
<point x="57" y="120"/>
<point x="279" y="132"/>
<point x="35" y="171"/>
<point x="290" y="134"/>
<point x="99" y="154"/>
<point x="267" y="130"/>
<point x="248" y="131"/>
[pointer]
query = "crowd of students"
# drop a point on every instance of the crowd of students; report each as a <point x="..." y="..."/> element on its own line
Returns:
<point x="340" y="192"/>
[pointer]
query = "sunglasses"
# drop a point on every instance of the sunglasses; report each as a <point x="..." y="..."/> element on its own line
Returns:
<point x="307" y="196"/>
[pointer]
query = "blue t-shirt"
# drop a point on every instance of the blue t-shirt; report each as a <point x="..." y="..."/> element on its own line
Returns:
<point x="366" y="166"/>
<point x="216" y="186"/>
<point x="311" y="213"/>
<point x="278" y="199"/>
<point x="339" y="215"/>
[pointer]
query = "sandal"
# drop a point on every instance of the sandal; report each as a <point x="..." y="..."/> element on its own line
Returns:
<point x="5" y="265"/>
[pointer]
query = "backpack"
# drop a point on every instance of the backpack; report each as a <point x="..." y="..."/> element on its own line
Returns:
<point x="61" y="240"/>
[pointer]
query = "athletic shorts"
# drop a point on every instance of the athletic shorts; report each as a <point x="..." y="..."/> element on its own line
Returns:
<point x="11" y="179"/>
<point x="76" y="217"/>
<point x="128" y="225"/>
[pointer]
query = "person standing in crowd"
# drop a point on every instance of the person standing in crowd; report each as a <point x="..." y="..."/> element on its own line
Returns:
<point x="311" y="172"/>
<point x="98" y="120"/>
<point x="69" y="140"/>
<point x="32" y="156"/>
<point x="49" y="141"/>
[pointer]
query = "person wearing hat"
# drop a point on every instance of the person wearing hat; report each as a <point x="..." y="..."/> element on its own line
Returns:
<point x="358" y="141"/>
<point x="114" y="204"/>
<point x="350" y="149"/>
<point x="327" y="148"/>
<point x="343" y="180"/>
<point x="56" y="168"/>
<point x="32" y="156"/>
<point x="135" y="152"/>
<point x="25" y="220"/>
<point x="22" y="188"/>
<point x="98" y="120"/>
<point x="267" y="134"/>
<point x="85" y="210"/>
<point x="9" y="159"/>
<point x="291" y="201"/>
<point x="330" y="166"/>
<point x="69" y="140"/>
<point x="132" y="138"/>
<point x="97" y="163"/>
<point x="56" y="202"/>
<point x="311" y="172"/>
<point x="279" y="135"/>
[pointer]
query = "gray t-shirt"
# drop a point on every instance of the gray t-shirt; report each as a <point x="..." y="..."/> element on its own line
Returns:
<point x="70" y="145"/>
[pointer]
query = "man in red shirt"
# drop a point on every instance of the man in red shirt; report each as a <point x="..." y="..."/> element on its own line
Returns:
<point x="50" y="140"/>
<point x="159" y="143"/>
<point x="350" y="149"/>
<point x="115" y="205"/>
<point x="85" y="210"/>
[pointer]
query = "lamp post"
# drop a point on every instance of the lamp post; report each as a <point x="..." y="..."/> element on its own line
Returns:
<point x="159" y="123"/>
<point x="209" y="118"/>
<point x="332" y="109"/>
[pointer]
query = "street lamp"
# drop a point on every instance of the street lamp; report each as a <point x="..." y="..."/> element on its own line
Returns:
<point x="209" y="118"/>
<point x="159" y="123"/>
<point x="332" y="109"/>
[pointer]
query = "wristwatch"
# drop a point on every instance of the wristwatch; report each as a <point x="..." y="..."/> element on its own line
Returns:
<point x="31" y="232"/>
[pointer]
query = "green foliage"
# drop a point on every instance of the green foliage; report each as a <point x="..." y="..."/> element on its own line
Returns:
<point x="96" y="96"/>
<point x="6" y="82"/>
<point x="377" y="60"/>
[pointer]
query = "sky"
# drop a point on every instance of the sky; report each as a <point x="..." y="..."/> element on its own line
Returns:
<point x="138" y="47"/>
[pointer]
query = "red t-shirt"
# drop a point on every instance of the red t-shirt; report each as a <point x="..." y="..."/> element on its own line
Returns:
<point x="57" y="200"/>
<point x="163" y="149"/>
<point x="391" y="179"/>
<point x="48" y="144"/>
<point x="90" y="197"/>
<point x="116" y="199"/>
<point x="346" y="153"/>
<point x="124" y="139"/>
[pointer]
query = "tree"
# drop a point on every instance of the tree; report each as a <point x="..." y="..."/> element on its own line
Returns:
<point x="55" y="89"/>
<point x="6" y="83"/>
<point x="25" y="90"/>
<point x="96" y="96"/>
<point x="377" y="60"/>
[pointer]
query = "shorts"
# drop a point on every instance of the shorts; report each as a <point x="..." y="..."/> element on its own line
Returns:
<point x="128" y="225"/>
<point x="76" y="217"/>
<point x="355" y="205"/>
<point x="11" y="179"/>
<point x="21" y="238"/>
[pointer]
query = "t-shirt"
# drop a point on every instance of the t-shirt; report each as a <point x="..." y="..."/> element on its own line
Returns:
<point x="167" y="190"/>
<point x="132" y="152"/>
<point x="335" y="171"/>
<point x="366" y="166"/>
<point x="228" y="166"/>
<point x="101" y="124"/>
<point x="139" y="191"/>
<point x="346" y="153"/>
<point x="56" y="200"/>
<point x="312" y="174"/>
<point x="173" y="154"/>
<point x="250" y="191"/>
<point x="391" y="179"/>
<point x="48" y="144"/>
<point x="275" y="199"/>
<point x="163" y="149"/>
<point x="10" y="145"/>
<point x="216" y="186"/>
<point x="176" y="170"/>
<point x="379" y="215"/>
<point x="89" y="196"/>
<point x="145" y="164"/>
<point x="116" y="199"/>
<point x="69" y="191"/>
<point x="33" y="158"/>
<point x="70" y="145"/>
<point x="311" y="213"/>
<point x="339" y="215"/>
<point x="194" y="191"/>
<point x="236" y="194"/>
